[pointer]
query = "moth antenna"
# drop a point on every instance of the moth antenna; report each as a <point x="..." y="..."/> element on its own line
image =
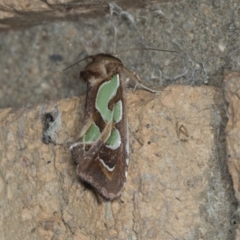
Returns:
<point x="154" y="49"/>
<point x="76" y="63"/>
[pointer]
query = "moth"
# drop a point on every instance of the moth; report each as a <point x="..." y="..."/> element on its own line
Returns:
<point x="102" y="149"/>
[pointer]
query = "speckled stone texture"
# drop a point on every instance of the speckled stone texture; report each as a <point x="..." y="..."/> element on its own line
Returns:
<point x="174" y="189"/>
<point x="179" y="186"/>
<point x="232" y="93"/>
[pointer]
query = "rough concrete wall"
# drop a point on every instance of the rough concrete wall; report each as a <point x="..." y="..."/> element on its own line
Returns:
<point x="178" y="185"/>
<point x="175" y="187"/>
<point x="231" y="87"/>
<point x="27" y="13"/>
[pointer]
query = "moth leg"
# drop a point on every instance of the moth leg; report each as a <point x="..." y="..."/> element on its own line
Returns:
<point x="84" y="158"/>
<point x="139" y="140"/>
<point x="94" y="149"/>
<point x="138" y="80"/>
<point x="85" y="128"/>
<point x="107" y="131"/>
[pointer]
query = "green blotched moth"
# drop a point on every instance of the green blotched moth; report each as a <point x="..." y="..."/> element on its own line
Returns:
<point x="101" y="151"/>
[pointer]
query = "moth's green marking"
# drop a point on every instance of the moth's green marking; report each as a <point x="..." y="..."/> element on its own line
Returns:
<point x="92" y="134"/>
<point x="114" y="141"/>
<point x="105" y="93"/>
<point x="117" y="112"/>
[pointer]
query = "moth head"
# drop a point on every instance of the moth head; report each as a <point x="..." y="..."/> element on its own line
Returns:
<point x="102" y="67"/>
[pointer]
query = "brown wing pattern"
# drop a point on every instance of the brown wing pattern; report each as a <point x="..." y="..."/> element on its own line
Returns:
<point x="100" y="166"/>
